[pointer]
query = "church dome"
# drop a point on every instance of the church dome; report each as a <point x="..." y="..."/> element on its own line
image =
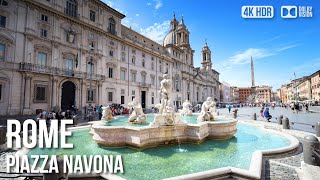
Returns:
<point x="170" y="38"/>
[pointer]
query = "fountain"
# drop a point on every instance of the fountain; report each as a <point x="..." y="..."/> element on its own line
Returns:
<point x="137" y="116"/>
<point x="167" y="127"/>
<point x="186" y="106"/>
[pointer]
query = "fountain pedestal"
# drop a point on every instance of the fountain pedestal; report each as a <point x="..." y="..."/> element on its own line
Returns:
<point x="149" y="136"/>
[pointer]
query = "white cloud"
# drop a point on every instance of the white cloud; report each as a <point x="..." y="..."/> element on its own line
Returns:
<point x="157" y="31"/>
<point x="245" y="57"/>
<point x="149" y="4"/>
<point x="286" y="47"/>
<point x="158" y="4"/>
<point x="137" y="14"/>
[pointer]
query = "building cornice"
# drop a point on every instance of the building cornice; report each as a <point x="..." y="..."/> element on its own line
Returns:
<point x="88" y="26"/>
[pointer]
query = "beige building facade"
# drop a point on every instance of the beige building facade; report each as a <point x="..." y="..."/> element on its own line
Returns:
<point x="315" y="86"/>
<point x="49" y="51"/>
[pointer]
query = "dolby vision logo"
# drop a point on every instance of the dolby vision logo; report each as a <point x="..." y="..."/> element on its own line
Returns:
<point x="289" y="12"/>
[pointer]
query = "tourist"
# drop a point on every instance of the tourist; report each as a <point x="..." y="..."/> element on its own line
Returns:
<point x="261" y="112"/>
<point x="267" y="114"/>
<point x="229" y="107"/>
<point x="307" y="107"/>
<point x="100" y="112"/>
<point x="68" y="114"/>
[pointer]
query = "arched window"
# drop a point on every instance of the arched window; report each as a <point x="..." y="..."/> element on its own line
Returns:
<point x="112" y="26"/>
<point x="72" y="8"/>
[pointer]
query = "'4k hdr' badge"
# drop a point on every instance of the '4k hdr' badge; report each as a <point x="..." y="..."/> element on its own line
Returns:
<point x="257" y="12"/>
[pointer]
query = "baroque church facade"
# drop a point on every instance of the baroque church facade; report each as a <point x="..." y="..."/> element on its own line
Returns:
<point x="63" y="53"/>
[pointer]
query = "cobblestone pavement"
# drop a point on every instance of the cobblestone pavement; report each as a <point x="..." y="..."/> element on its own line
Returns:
<point x="284" y="168"/>
<point x="302" y="120"/>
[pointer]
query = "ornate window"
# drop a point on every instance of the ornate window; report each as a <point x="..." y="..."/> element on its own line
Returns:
<point x="110" y="72"/>
<point x="44" y="17"/>
<point x="2" y="52"/>
<point x="123" y="56"/>
<point x="143" y="62"/>
<point x="123" y="74"/>
<point x="110" y="96"/>
<point x="133" y="60"/>
<point x="90" y="67"/>
<point x="92" y="16"/>
<point x="72" y="8"/>
<point x="3" y="21"/>
<point x="91" y="95"/>
<point x="152" y="65"/>
<point x="40" y="93"/>
<point x="69" y="64"/>
<point x="112" y="26"/>
<point x="143" y="78"/>
<point x="133" y="76"/>
<point x="44" y="33"/>
<point x="42" y="59"/>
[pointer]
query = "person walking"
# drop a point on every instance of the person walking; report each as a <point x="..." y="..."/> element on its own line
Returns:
<point x="100" y="112"/>
<point x="267" y="114"/>
<point x="229" y="108"/>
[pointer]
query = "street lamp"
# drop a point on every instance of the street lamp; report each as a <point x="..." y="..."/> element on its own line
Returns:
<point x="90" y="109"/>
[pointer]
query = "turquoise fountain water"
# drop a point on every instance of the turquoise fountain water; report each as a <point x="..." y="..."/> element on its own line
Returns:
<point x="122" y="121"/>
<point x="168" y="161"/>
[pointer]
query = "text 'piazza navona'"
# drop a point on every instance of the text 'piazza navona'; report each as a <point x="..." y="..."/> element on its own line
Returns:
<point x="49" y="48"/>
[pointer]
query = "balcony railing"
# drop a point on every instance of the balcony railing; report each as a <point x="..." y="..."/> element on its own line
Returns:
<point x="71" y="13"/>
<point x="58" y="71"/>
<point x="143" y="84"/>
<point x="112" y="31"/>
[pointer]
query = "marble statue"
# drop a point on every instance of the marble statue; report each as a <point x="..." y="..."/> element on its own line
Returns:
<point x="106" y="114"/>
<point x="137" y="116"/>
<point x="167" y="115"/>
<point x="208" y="110"/>
<point x="186" y="108"/>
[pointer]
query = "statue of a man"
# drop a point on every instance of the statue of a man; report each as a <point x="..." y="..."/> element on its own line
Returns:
<point x="165" y="91"/>
<point x="137" y="115"/>
<point x="207" y="109"/>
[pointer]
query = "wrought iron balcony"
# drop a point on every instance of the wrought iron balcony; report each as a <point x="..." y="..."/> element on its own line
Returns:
<point x="28" y="67"/>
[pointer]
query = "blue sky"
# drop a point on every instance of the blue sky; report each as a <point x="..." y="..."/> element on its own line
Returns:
<point x="278" y="46"/>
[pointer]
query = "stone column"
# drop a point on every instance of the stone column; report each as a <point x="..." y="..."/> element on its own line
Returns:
<point x="27" y="95"/>
<point x="99" y="93"/>
<point x="54" y="92"/>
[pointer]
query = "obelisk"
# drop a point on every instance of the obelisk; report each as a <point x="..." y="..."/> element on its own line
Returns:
<point x="252" y="73"/>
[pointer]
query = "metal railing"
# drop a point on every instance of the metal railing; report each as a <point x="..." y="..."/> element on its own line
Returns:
<point x="59" y="71"/>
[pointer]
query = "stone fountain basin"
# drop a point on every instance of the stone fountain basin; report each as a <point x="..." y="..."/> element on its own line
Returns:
<point x="144" y="137"/>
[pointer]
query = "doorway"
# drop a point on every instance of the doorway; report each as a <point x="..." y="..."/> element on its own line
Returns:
<point x="143" y="99"/>
<point x="68" y="95"/>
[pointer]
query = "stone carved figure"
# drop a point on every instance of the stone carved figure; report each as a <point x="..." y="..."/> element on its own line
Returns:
<point x="71" y="36"/>
<point x="208" y="110"/>
<point x="167" y="115"/>
<point x="106" y="114"/>
<point x="186" y="108"/>
<point x="165" y="91"/>
<point x="137" y="116"/>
